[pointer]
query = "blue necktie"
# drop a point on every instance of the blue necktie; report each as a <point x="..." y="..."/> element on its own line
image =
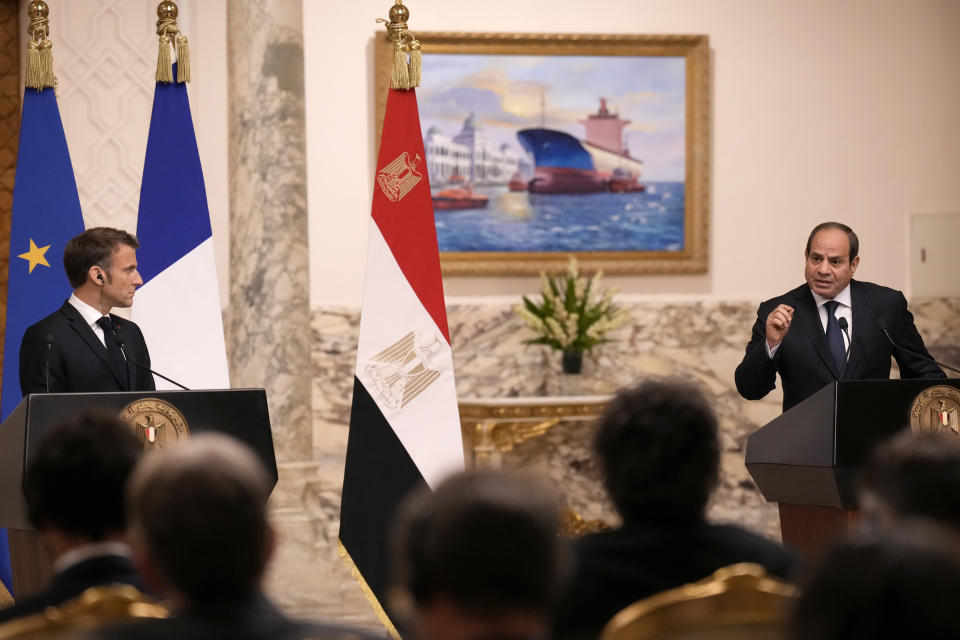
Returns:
<point x="834" y="336"/>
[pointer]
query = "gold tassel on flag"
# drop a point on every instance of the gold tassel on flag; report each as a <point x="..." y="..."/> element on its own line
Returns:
<point x="39" y="48"/>
<point x="405" y="75"/>
<point x="171" y="36"/>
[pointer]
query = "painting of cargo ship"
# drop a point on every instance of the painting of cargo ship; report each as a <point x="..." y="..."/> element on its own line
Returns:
<point x="531" y="156"/>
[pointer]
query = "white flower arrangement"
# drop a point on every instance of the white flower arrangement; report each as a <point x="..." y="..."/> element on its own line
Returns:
<point x="573" y="315"/>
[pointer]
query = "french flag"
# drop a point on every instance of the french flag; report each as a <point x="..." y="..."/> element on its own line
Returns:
<point x="178" y="306"/>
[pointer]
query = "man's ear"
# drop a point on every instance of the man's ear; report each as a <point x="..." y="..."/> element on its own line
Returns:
<point x="96" y="275"/>
<point x="854" y="264"/>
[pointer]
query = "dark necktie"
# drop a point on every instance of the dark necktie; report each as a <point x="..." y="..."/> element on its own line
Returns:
<point x="834" y="335"/>
<point x="114" y="350"/>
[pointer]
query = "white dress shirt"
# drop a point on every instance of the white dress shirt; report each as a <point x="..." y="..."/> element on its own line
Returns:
<point x="90" y="316"/>
<point x="844" y="310"/>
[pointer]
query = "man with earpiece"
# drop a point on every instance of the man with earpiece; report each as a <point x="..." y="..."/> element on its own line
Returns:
<point x="82" y="346"/>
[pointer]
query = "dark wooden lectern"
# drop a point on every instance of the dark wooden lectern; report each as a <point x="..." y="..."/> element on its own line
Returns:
<point x="241" y="413"/>
<point x="807" y="459"/>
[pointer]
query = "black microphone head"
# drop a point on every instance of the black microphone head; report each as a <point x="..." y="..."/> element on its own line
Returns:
<point x="49" y="338"/>
<point x="842" y="322"/>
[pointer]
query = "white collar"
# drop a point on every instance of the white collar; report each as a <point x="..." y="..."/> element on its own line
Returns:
<point x="843" y="298"/>
<point x="88" y="551"/>
<point x="90" y="315"/>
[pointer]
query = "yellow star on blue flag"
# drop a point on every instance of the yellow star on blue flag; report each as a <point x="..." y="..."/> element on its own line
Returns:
<point x="35" y="256"/>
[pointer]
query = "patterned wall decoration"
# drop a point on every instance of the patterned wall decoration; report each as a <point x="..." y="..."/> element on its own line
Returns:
<point x="9" y="129"/>
<point x="105" y="57"/>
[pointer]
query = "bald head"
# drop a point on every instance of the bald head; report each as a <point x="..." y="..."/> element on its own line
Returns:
<point x="198" y="513"/>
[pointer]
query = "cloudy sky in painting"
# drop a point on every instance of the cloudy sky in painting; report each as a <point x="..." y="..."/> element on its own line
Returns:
<point x="504" y="92"/>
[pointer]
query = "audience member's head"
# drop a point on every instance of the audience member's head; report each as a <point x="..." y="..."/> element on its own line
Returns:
<point x="912" y="475"/>
<point x="658" y="451"/>
<point x="478" y="558"/>
<point x="76" y="478"/>
<point x="198" y="520"/>
<point x="895" y="583"/>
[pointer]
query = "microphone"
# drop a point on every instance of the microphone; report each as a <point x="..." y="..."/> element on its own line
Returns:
<point x="47" y="345"/>
<point x="142" y="367"/>
<point x="914" y="353"/>
<point x="843" y="327"/>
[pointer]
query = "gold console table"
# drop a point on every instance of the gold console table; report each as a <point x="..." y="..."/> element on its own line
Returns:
<point x="494" y="426"/>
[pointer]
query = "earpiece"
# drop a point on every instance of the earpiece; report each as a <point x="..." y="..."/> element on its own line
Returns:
<point x="100" y="277"/>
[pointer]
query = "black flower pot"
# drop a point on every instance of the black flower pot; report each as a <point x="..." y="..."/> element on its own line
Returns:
<point x="572" y="361"/>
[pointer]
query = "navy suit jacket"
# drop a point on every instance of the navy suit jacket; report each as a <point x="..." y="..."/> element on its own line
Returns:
<point x="803" y="359"/>
<point x="78" y="360"/>
<point x="613" y="569"/>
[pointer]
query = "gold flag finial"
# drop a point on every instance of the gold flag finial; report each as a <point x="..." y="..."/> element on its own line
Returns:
<point x="171" y="35"/>
<point x="39" y="48"/>
<point x="406" y="75"/>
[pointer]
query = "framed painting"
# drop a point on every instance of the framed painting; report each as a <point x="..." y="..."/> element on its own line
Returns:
<point x="542" y="146"/>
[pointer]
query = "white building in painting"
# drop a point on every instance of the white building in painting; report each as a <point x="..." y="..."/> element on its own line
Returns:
<point x="471" y="154"/>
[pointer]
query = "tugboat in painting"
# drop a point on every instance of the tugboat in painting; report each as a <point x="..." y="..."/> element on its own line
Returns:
<point x="459" y="196"/>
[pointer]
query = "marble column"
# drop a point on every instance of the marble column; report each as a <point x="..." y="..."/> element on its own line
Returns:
<point x="269" y="319"/>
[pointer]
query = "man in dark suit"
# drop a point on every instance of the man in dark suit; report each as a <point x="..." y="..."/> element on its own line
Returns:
<point x="845" y="330"/>
<point x="659" y="455"/>
<point x="479" y="558"/>
<point x="201" y="538"/>
<point x="81" y="346"/>
<point x="75" y="497"/>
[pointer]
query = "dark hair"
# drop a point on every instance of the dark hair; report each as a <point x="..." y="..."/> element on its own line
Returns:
<point x="893" y="584"/>
<point x="77" y="474"/>
<point x="916" y="475"/>
<point x="94" y="246"/>
<point x="658" y="451"/>
<point x="487" y="540"/>
<point x="851" y="236"/>
<point x="200" y="510"/>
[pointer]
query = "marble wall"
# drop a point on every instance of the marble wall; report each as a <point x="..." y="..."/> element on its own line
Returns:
<point x="698" y="340"/>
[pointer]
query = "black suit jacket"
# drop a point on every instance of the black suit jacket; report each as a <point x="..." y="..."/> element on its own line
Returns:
<point x="803" y="359"/>
<point x="78" y="360"/>
<point x="97" y="571"/>
<point x="614" y="569"/>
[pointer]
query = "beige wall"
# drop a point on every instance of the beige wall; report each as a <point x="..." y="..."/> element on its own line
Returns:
<point x="822" y="109"/>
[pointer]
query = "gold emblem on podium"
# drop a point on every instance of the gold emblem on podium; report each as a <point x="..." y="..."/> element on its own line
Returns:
<point x="935" y="410"/>
<point x="156" y="423"/>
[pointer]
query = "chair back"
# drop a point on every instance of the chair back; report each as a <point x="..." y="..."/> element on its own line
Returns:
<point x="739" y="602"/>
<point x="95" y="607"/>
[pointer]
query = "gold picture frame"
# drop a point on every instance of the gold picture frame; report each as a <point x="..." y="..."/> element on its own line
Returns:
<point x="692" y="258"/>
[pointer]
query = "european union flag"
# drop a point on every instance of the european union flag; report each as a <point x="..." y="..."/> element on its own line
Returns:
<point x="46" y="214"/>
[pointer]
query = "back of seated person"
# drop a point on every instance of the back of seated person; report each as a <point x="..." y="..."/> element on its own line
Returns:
<point x="659" y="455"/>
<point x="478" y="559"/>
<point x="74" y="487"/>
<point x="900" y="582"/>
<point x="910" y="476"/>
<point x="202" y="539"/>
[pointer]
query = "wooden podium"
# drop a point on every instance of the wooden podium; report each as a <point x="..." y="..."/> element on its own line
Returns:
<point x="241" y="413"/>
<point x="807" y="459"/>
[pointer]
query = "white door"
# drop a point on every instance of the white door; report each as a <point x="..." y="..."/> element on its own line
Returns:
<point x="934" y="254"/>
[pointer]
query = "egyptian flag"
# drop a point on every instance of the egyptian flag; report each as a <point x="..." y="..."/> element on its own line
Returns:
<point x="178" y="306"/>
<point x="404" y="423"/>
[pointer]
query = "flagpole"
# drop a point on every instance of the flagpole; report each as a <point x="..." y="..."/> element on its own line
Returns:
<point x="39" y="49"/>
<point x="405" y="74"/>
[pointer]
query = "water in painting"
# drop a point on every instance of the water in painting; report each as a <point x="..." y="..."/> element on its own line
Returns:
<point x="555" y="153"/>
